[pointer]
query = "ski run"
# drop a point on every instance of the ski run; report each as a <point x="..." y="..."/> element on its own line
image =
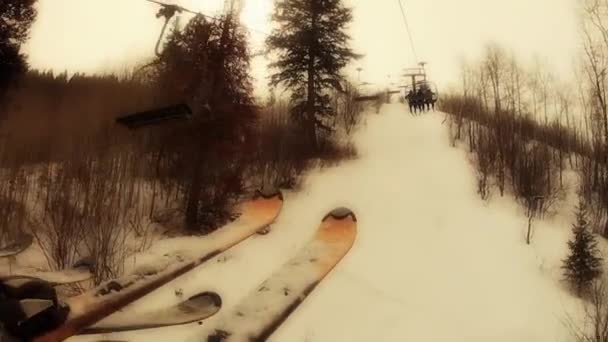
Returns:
<point x="431" y="261"/>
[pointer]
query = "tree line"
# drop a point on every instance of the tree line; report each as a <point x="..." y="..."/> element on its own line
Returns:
<point x="508" y="112"/>
<point x="525" y="129"/>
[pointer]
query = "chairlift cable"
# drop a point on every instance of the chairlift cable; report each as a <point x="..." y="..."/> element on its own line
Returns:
<point x="409" y="32"/>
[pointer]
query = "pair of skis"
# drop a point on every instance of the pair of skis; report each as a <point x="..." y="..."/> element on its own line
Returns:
<point x="92" y="311"/>
<point x="264" y="309"/>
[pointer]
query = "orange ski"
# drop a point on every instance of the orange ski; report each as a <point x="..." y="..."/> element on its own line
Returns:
<point x="265" y="309"/>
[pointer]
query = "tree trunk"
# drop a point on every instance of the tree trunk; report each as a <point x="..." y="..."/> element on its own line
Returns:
<point x="217" y="87"/>
<point x="530" y="217"/>
<point x="194" y="194"/>
<point x="310" y="103"/>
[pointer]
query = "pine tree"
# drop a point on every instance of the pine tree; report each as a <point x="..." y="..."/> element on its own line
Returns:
<point x="207" y="61"/>
<point x="583" y="265"/>
<point x="312" y="48"/>
<point x="207" y="66"/>
<point x="16" y="18"/>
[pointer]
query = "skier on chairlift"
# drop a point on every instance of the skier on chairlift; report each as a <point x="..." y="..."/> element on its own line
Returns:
<point x="410" y="100"/>
<point x="428" y="98"/>
<point x="420" y="100"/>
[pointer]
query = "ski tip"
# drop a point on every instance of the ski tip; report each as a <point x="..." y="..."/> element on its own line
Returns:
<point x="267" y="193"/>
<point x="86" y="263"/>
<point x="215" y="298"/>
<point x="340" y="214"/>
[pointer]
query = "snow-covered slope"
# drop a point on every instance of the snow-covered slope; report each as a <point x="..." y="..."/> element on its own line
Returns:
<point x="432" y="262"/>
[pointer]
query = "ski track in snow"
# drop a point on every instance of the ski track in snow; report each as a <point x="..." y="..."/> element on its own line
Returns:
<point x="432" y="261"/>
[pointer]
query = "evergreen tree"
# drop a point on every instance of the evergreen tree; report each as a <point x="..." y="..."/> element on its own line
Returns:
<point x="583" y="265"/>
<point x="207" y="66"/>
<point x="207" y="62"/>
<point x="16" y="18"/>
<point x="312" y="48"/>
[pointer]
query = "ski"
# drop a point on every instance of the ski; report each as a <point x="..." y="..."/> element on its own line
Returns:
<point x="17" y="246"/>
<point x="94" y="305"/>
<point x="82" y="270"/>
<point x="195" y="308"/>
<point x="265" y="309"/>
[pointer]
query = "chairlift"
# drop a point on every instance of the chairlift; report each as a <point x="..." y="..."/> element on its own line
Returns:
<point x="156" y="116"/>
<point x="167" y="11"/>
<point x="422" y="84"/>
<point x="419" y="80"/>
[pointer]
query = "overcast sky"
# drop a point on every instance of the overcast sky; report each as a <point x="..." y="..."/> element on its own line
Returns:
<point x="107" y="35"/>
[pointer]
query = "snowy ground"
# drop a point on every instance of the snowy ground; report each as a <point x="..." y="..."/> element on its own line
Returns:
<point x="432" y="262"/>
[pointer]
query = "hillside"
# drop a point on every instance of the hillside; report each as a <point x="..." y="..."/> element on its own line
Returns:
<point x="431" y="262"/>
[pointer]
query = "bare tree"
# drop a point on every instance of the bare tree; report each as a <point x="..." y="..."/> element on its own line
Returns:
<point x="348" y="109"/>
<point x="594" y="327"/>
<point x="494" y="63"/>
<point x="595" y="45"/>
<point x="532" y="176"/>
<point x="595" y="33"/>
<point x="494" y="67"/>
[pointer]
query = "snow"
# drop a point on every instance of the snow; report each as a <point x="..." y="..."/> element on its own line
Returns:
<point x="31" y="260"/>
<point x="15" y="247"/>
<point x="71" y="275"/>
<point x="190" y="310"/>
<point x="431" y="262"/>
